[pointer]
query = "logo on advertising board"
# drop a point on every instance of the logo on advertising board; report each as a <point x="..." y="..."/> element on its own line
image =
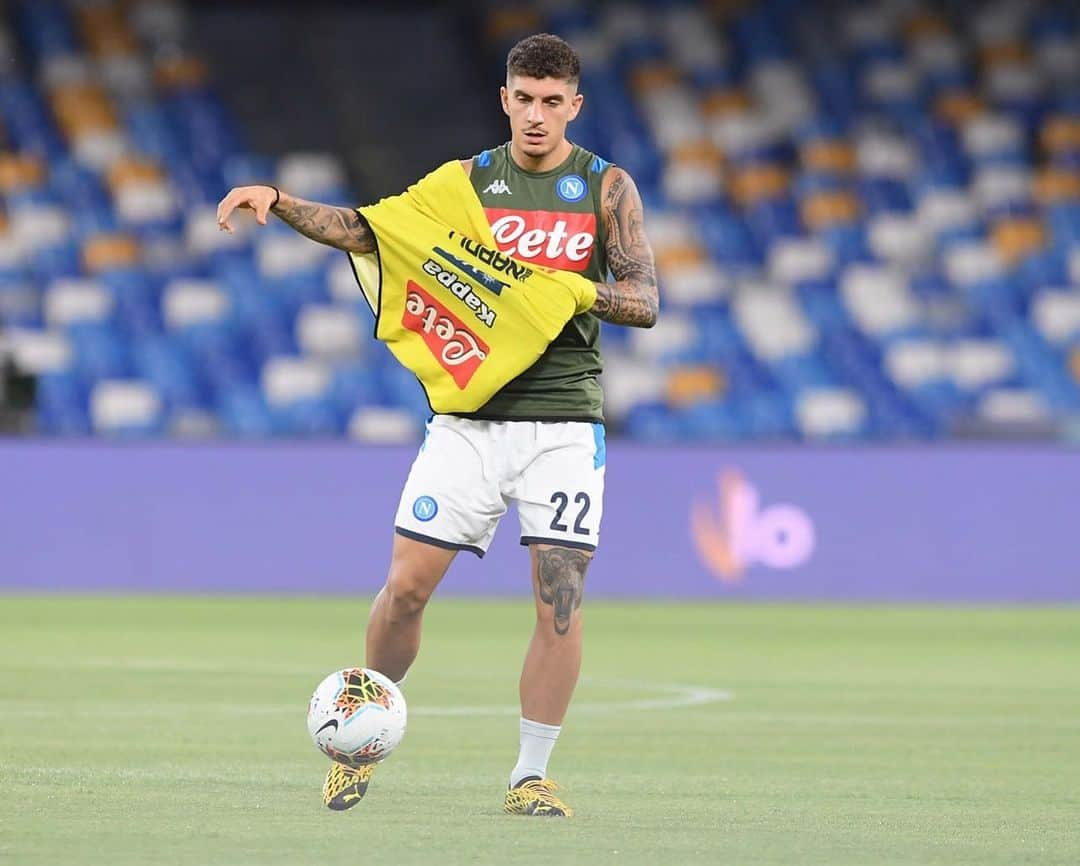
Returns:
<point x="738" y="533"/>
<point x="554" y="239"/>
<point x="457" y="349"/>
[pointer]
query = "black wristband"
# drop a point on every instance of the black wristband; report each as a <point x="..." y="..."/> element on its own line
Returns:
<point x="277" y="195"/>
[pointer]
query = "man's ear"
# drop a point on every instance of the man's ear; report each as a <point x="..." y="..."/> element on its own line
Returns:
<point x="575" y="104"/>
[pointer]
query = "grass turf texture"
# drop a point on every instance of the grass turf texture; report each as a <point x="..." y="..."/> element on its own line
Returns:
<point x="171" y="730"/>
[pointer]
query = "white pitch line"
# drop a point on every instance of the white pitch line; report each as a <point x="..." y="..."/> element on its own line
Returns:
<point x="679" y="696"/>
<point x="676" y="696"/>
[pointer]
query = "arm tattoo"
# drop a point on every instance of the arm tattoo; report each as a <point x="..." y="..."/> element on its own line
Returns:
<point x="633" y="299"/>
<point x="339" y="227"/>
<point x="562" y="581"/>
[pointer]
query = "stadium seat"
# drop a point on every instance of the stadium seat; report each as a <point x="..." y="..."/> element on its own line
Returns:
<point x="125" y="408"/>
<point x="830" y="413"/>
<point x="384" y="425"/>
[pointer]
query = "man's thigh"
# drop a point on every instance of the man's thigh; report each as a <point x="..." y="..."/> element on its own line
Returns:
<point x="451" y="498"/>
<point x="561" y="489"/>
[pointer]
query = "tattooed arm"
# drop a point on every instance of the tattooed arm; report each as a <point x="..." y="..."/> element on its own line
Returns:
<point x="633" y="299"/>
<point x="339" y="227"/>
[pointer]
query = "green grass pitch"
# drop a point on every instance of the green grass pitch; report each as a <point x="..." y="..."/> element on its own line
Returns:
<point x="171" y="731"/>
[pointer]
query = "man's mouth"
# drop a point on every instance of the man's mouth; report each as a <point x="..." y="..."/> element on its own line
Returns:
<point x="534" y="134"/>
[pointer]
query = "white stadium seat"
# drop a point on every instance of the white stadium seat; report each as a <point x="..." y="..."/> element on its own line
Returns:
<point x="118" y="404"/>
<point x="944" y="209"/>
<point x="39" y="352"/>
<point x="826" y="412"/>
<point x="900" y="239"/>
<point x="100" y="148"/>
<point x="688" y="183"/>
<point x="795" y="259"/>
<point x="193" y="302"/>
<point x="342" y="281"/>
<point x="890" y="80"/>
<point x="1013" y="406"/>
<point x="969" y="263"/>
<point x="987" y="134"/>
<point x="38" y="227"/>
<point x="693" y="283"/>
<point x="280" y="254"/>
<point x="673" y="332"/>
<point x="996" y="186"/>
<point x="1056" y="315"/>
<point x="773" y="324"/>
<point x="884" y="155"/>
<point x="308" y="175"/>
<point x="189" y="423"/>
<point x="879" y="299"/>
<point x="975" y="363"/>
<point x="202" y="234"/>
<point x="68" y="301"/>
<point x="146" y="201"/>
<point x="381" y="425"/>
<point x="286" y="380"/>
<point x="628" y="381"/>
<point x="329" y="332"/>
<point x="912" y="363"/>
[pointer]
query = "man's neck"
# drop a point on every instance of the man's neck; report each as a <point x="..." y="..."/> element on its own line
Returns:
<point x="541" y="163"/>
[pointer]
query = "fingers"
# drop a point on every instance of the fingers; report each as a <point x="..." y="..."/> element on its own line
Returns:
<point x="255" y="198"/>
<point x="224" y="209"/>
<point x="262" y="208"/>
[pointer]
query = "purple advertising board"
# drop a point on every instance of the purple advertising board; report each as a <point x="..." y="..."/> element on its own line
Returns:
<point x="989" y="524"/>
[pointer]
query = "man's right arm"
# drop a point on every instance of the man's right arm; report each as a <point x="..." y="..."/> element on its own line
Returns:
<point x="338" y="227"/>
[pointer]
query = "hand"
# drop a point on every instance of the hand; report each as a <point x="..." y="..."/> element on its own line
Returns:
<point x="256" y="198"/>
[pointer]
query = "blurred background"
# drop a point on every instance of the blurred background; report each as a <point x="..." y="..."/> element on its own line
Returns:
<point x="866" y="216"/>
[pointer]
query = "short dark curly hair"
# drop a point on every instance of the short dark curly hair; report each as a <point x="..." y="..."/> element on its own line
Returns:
<point x="544" y="55"/>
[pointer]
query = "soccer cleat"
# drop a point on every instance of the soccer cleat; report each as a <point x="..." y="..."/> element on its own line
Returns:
<point x="345" y="787"/>
<point x="533" y="796"/>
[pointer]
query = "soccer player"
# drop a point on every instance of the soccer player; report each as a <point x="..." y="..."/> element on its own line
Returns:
<point x="540" y="440"/>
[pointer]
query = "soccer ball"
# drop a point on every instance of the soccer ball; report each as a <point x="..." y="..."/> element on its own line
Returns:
<point x="356" y="717"/>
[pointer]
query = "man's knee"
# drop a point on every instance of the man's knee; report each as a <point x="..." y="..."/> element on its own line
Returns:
<point x="560" y="576"/>
<point x="407" y="592"/>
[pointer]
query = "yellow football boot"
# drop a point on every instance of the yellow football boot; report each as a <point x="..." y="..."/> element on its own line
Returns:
<point x="535" y="796"/>
<point x="345" y="787"/>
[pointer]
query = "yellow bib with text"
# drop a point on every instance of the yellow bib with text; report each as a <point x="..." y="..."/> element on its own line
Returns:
<point x="462" y="316"/>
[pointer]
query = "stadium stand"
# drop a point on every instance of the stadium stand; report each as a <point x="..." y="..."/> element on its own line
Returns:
<point x="866" y="219"/>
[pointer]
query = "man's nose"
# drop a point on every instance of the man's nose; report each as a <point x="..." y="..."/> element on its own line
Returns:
<point x="535" y="115"/>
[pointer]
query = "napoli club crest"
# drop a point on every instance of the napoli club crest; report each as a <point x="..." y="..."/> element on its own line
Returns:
<point x="571" y="188"/>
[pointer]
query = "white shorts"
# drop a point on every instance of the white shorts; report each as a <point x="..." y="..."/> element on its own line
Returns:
<point x="468" y="472"/>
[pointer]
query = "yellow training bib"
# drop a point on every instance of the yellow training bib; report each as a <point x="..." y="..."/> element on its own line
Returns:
<point x="462" y="316"/>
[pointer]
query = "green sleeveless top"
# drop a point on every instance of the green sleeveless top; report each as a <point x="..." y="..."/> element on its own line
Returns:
<point x="551" y="218"/>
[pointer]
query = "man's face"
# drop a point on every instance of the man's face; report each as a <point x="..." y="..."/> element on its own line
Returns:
<point x="539" y="109"/>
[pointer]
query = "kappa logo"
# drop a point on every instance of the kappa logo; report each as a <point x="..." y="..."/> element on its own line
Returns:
<point x="498" y="187"/>
<point x="489" y="282"/>
<point x="554" y="239"/>
<point x="743" y="534"/>
<point x="456" y="349"/>
<point x="461" y="290"/>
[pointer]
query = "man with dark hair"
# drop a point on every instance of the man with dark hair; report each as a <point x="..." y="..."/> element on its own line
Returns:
<point x="540" y="440"/>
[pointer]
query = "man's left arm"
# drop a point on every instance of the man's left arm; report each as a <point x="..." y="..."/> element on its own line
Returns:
<point x="633" y="299"/>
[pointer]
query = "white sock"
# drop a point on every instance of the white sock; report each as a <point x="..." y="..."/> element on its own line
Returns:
<point x="537" y="741"/>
